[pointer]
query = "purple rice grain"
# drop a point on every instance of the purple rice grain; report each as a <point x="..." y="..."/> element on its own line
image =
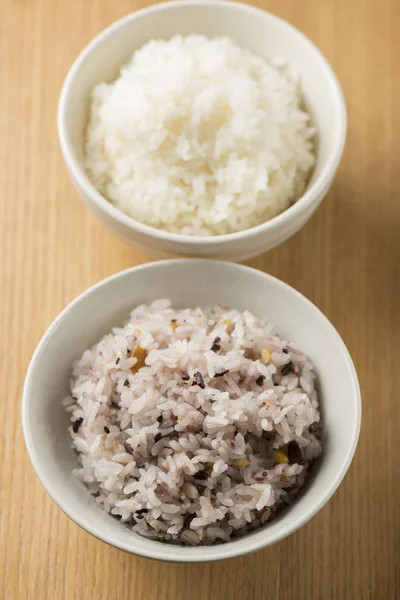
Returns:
<point x="222" y="373"/>
<point x="288" y="368"/>
<point x="315" y="428"/>
<point x="187" y="520"/>
<point x="157" y="437"/>
<point x="295" y="453"/>
<point x="128" y="448"/>
<point x="106" y="430"/>
<point x="126" y="382"/>
<point x="76" y="424"/>
<point x="216" y="347"/>
<point x="198" y="377"/>
<point x="260" y="380"/>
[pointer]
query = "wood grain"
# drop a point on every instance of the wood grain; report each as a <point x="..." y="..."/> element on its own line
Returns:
<point x="346" y="260"/>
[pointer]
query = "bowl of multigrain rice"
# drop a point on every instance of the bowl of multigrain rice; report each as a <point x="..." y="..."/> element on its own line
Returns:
<point x="202" y="128"/>
<point x="199" y="410"/>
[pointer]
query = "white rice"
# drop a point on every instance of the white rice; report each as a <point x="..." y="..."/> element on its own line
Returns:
<point x="200" y="136"/>
<point x="184" y="448"/>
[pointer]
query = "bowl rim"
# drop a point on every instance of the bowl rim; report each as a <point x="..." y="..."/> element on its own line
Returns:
<point x="165" y="552"/>
<point x="307" y="199"/>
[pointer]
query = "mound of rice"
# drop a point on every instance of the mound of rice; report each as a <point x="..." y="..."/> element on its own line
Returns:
<point x="199" y="136"/>
<point x="193" y="426"/>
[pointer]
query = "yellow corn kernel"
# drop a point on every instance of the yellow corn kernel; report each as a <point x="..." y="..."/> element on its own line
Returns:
<point x="280" y="456"/>
<point x="241" y="462"/>
<point x="284" y="478"/>
<point x="140" y="354"/>
<point x="138" y="331"/>
<point x="229" y="325"/>
<point x="174" y="325"/>
<point x="265" y="355"/>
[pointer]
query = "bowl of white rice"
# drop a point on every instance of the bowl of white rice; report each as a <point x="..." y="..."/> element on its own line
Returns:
<point x="202" y="128"/>
<point x="191" y="410"/>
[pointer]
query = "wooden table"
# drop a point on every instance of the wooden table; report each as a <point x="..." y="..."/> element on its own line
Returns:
<point x="346" y="260"/>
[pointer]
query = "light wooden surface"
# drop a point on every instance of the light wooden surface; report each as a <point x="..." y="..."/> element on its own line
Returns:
<point x="346" y="260"/>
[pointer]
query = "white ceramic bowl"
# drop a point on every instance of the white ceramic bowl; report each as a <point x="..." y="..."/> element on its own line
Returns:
<point x="187" y="283"/>
<point x="252" y="28"/>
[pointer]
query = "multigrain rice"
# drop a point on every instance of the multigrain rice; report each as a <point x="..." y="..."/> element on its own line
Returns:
<point x="196" y="446"/>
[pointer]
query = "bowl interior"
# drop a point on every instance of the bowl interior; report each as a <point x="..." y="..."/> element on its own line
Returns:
<point x="186" y="283"/>
<point x="256" y="30"/>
